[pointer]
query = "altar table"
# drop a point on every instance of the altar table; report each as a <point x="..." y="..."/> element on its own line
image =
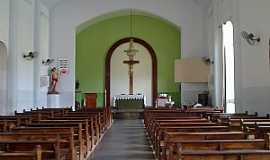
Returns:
<point x="125" y="101"/>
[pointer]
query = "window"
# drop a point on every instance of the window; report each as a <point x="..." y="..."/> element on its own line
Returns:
<point x="228" y="66"/>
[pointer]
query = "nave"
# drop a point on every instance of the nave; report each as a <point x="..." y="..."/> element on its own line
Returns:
<point x="191" y="72"/>
<point x="125" y="140"/>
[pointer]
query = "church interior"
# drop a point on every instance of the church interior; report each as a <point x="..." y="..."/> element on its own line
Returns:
<point x="134" y="80"/>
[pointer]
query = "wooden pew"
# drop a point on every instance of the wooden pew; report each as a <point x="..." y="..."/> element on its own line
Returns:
<point x="215" y="116"/>
<point x="106" y="114"/>
<point x="250" y="125"/>
<point x="50" y="149"/>
<point x="260" y="131"/>
<point x="175" y="137"/>
<point x="87" y="127"/>
<point x="93" y="128"/>
<point x="239" y="123"/>
<point x="160" y="133"/>
<point x="57" y="145"/>
<point x="81" y="125"/>
<point x="236" y="120"/>
<point x="39" y="115"/>
<point x="159" y="128"/>
<point x="65" y="109"/>
<point x="158" y="122"/>
<point x="36" y="132"/>
<point x="35" y="154"/>
<point x="8" y="122"/>
<point x="80" y="134"/>
<point x="93" y="118"/>
<point x="101" y="126"/>
<point x="81" y="141"/>
<point x="214" y="141"/>
<point x="214" y="146"/>
<point x="252" y="154"/>
<point x="152" y="124"/>
<point x="94" y="123"/>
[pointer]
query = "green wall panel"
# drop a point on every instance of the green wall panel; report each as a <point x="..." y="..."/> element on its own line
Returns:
<point x="93" y="42"/>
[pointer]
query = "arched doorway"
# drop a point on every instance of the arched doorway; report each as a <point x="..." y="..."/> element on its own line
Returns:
<point x="108" y="67"/>
<point x="3" y="81"/>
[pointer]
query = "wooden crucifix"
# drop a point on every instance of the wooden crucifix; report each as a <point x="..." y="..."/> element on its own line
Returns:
<point x="131" y="52"/>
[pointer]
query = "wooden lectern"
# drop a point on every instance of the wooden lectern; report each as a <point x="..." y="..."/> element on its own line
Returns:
<point x="91" y="100"/>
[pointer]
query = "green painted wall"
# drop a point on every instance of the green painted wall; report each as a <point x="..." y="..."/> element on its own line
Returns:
<point x="93" y="42"/>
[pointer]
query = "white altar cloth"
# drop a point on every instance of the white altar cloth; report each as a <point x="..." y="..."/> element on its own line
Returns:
<point x="129" y="97"/>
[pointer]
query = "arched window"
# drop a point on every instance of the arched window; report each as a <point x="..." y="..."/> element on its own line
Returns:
<point x="228" y="67"/>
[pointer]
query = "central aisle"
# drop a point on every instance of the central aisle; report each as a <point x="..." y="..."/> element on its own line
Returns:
<point x="126" y="140"/>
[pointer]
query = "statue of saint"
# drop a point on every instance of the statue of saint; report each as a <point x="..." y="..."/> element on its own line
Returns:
<point x="53" y="81"/>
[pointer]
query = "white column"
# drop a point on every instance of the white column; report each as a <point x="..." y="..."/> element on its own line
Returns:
<point x="36" y="47"/>
<point x="3" y="80"/>
<point x="12" y="62"/>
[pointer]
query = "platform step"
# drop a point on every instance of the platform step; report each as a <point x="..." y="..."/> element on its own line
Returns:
<point x="128" y="114"/>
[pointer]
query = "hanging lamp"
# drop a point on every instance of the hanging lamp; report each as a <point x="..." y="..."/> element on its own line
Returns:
<point x="131" y="51"/>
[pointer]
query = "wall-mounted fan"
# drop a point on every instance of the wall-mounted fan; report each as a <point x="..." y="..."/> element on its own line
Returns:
<point x="30" y="55"/>
<point x="250" y="38"/>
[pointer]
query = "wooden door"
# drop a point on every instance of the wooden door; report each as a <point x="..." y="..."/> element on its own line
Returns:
<point x="91" y="100"/>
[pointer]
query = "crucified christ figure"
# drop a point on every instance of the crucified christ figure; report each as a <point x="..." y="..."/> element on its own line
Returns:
<point x="131" y="52"/>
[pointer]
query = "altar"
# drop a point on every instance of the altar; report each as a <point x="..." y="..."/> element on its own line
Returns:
<point x="129" y="101"/>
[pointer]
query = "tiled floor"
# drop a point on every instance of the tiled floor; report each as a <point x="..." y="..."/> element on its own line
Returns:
<point x="126" y="140"/>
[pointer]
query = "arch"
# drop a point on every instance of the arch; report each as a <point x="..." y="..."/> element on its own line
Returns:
<point x="108" y="67"/>
<point x="3" y="73"/>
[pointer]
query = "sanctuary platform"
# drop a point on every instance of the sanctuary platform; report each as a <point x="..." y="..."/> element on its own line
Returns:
<point x="127" y="113"/>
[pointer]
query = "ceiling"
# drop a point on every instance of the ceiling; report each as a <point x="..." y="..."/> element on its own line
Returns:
<point x="51" y="3"/>
<point x="203" y="3"/>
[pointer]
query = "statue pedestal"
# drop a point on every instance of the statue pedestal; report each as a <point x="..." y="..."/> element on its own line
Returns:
<point x="53" y="100"/>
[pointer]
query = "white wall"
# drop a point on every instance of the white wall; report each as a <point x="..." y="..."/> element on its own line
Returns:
<point x="191" y="91"/>
<point x="69" y="14"/>
<point x="19" y="29"/>
<point x="4" y="37"/>
<point x="252" y="66"/>
<point x="4" y="19"/>
<point x="255" y="59"/>
<point x="142" y="80"/>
